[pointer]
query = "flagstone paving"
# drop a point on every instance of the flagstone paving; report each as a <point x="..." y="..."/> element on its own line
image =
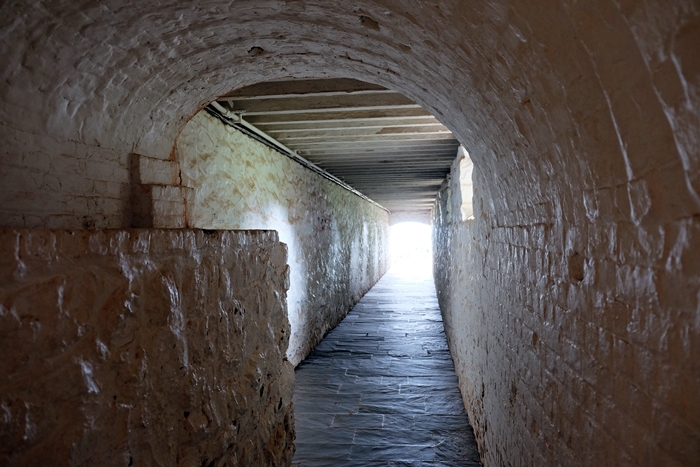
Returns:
<point x="381" y="390"/>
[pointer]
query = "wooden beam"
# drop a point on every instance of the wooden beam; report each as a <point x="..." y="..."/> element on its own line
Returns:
<point x="425" y="203"/>
<point x="405" y="168"/>
<point x="340" y="139"/>
<point x="365" y="114"/>
<point x="397" y="132"/>
<point x="403" y="189"/>
<point x="376" y="146"/>
<point x="389" y="177"/>
<point x="445" y="159"/>
<point x="388" y="153"/>
<point x="425" y="186"/>
<point x="442" y="143"/>
<point x="423" y="197"/>
<point x="385" y="180"/>
<point x="427" y="193"/>
<point x="398" y="161"/>
<point x="386" y="177"/>
<point x="403" y="192"/>
<point x="355" y="124"/>
<point x="426" y="198"/>
<point x="437" y="151"/>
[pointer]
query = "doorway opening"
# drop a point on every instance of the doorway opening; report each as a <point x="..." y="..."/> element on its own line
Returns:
<point x="411" y="250"/>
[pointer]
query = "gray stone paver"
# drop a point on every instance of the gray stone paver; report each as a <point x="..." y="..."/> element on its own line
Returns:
<point x="380" y="389"/>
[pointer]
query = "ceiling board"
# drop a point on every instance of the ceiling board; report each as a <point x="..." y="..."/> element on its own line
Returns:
<point x="376" y="140"/>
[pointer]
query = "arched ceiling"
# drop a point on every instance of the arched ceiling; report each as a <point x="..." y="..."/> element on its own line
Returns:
<point x="582" y="119"/>
<point x="559" y="103"/>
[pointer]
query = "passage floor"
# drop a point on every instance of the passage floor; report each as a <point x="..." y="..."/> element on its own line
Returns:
<point x="381" y="390"/>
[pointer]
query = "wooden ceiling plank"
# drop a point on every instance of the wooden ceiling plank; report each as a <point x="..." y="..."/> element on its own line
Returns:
<point x="451" y="142"/>
<point x="442" y="152"/>
<point x="388" y="178"/>
<point x="352" y="124"/>
<point x="314" y="141"/>
<point x="397" y="131"/>
<point x="385" y="168"/>
<point x="376" y="147"/>
<point x="356" y="115"/>
<point x="387" y="158"/>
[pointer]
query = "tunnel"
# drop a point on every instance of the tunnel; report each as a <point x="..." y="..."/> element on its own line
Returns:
<point x="135" y="330"/>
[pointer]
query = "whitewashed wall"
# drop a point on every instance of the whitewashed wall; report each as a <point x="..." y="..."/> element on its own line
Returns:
<point x="337" y="241"/>
<point x="583" y="122"/>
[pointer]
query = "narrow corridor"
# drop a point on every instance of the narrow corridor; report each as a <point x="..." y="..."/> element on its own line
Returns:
<point x="381" y="389"/>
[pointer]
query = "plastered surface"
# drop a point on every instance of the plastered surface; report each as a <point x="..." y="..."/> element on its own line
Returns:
<point x="144" y="347"/>
<point x="337" y="241"/>
<point x="583" y="122"/>
<point x="566" y="355"/>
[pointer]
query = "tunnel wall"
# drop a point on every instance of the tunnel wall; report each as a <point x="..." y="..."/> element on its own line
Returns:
<point x="144" y="347"/>
<point x="565" y="354"/>
<point x="583" y="122"/>
<point x="338" y="242"/>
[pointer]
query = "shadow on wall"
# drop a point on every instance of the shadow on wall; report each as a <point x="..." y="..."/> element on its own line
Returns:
<point x="337" y="241"/>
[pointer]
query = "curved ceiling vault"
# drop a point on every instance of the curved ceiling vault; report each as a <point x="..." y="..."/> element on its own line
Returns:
<point x="582" y="119"/>
<point x="540" y="99"/>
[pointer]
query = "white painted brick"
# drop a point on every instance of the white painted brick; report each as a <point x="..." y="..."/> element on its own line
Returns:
<point x="158" y="172"/>
<point x="106" y="170"/>
<point x="114" y="190"/>
<point x="560" y="104"/>
<point x="169" y="207"/>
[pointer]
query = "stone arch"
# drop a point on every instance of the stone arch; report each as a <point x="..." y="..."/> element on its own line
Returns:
<point x="581" y="118"/>
<point x="511" y="83"/>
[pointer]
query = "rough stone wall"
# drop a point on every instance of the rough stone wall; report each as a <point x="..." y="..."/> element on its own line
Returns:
<point x="337" y="241"/>
<point x="583" y="122"/>
<point x="144" y="347"/>
<point x="574" y="345"/>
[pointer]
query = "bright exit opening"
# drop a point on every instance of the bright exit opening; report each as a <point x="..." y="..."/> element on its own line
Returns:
<point x="410" y="246"/>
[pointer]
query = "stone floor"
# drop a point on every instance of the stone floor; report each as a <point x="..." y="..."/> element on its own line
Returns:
<point x="381" y="389"/>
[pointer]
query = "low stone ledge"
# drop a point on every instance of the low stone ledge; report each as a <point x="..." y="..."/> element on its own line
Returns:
<point x="144" y="347"/>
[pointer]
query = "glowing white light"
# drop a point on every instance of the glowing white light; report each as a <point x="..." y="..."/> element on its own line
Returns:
<point x="410" y="246"/>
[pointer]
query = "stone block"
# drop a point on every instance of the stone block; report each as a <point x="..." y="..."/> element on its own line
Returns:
<point x="169" y="206"/>
<point x="144" y="347"/>
<point x="158" y="172"/>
